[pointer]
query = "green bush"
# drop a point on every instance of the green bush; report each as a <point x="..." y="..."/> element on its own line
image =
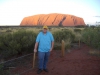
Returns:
<point x="77" y="37"/>
<point x="77" y="30"/>
<point x="8" y="30"/>
<point x="63" y="35"/>
<point x="91" y="36"/>
<point x="4" y="71"/>
<point x="17" y="42"/>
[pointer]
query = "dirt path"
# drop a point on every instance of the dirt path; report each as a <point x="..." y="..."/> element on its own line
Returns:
<point x="77" y="62"/>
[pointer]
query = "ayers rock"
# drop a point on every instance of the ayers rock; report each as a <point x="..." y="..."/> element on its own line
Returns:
<point x="53" y="19"/>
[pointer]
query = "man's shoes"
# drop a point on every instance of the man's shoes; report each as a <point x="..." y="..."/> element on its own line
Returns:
<point x="46" y="70"/>
<point x="39" y="71"/>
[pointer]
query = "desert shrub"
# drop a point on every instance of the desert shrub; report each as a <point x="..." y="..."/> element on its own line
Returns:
<point x="63" y="35"/>
<point x="78" y="37"/>
<point x="91" y="37"/>
<point x="64" y="29"/>
<point x="66" y="35"/>
<point x="17" y="42"/>
<point x="26" y="39"/>
<point x="7" y="45"/>
<point x="77" y="30"/>
<point x="8" y="30"/>
<point x="3" y="71"/>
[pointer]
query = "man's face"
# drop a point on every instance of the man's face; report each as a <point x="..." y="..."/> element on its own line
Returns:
<point x="44" y="30"/>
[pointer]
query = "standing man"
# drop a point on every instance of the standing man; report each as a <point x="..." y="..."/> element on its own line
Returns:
<point x="45" y="43"/>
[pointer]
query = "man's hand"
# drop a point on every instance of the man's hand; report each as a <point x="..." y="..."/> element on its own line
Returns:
<point x="52" y="46"/>
<point x="35" y="50"/>
<point x="50" y="49"/>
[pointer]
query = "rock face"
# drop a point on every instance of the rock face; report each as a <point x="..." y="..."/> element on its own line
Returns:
<point x="52" y="20"/>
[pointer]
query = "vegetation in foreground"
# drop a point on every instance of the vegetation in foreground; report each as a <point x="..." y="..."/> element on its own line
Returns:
<point x="17" y="41"/>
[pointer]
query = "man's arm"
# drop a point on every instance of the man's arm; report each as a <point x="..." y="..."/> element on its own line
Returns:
<point x="37" y="42"/>
<point x="35" y="48"/>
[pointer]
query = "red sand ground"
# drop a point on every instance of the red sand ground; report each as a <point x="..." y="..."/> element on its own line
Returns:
<point x="77" y="62"/>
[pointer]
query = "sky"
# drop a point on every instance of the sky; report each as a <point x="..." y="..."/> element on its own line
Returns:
<point x="13" y="11"/>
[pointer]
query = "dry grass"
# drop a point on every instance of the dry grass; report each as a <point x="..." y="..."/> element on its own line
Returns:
<point x="94" y="52"/>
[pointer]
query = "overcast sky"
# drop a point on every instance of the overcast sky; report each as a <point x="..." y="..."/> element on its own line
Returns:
<point x="13" y="11"/>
